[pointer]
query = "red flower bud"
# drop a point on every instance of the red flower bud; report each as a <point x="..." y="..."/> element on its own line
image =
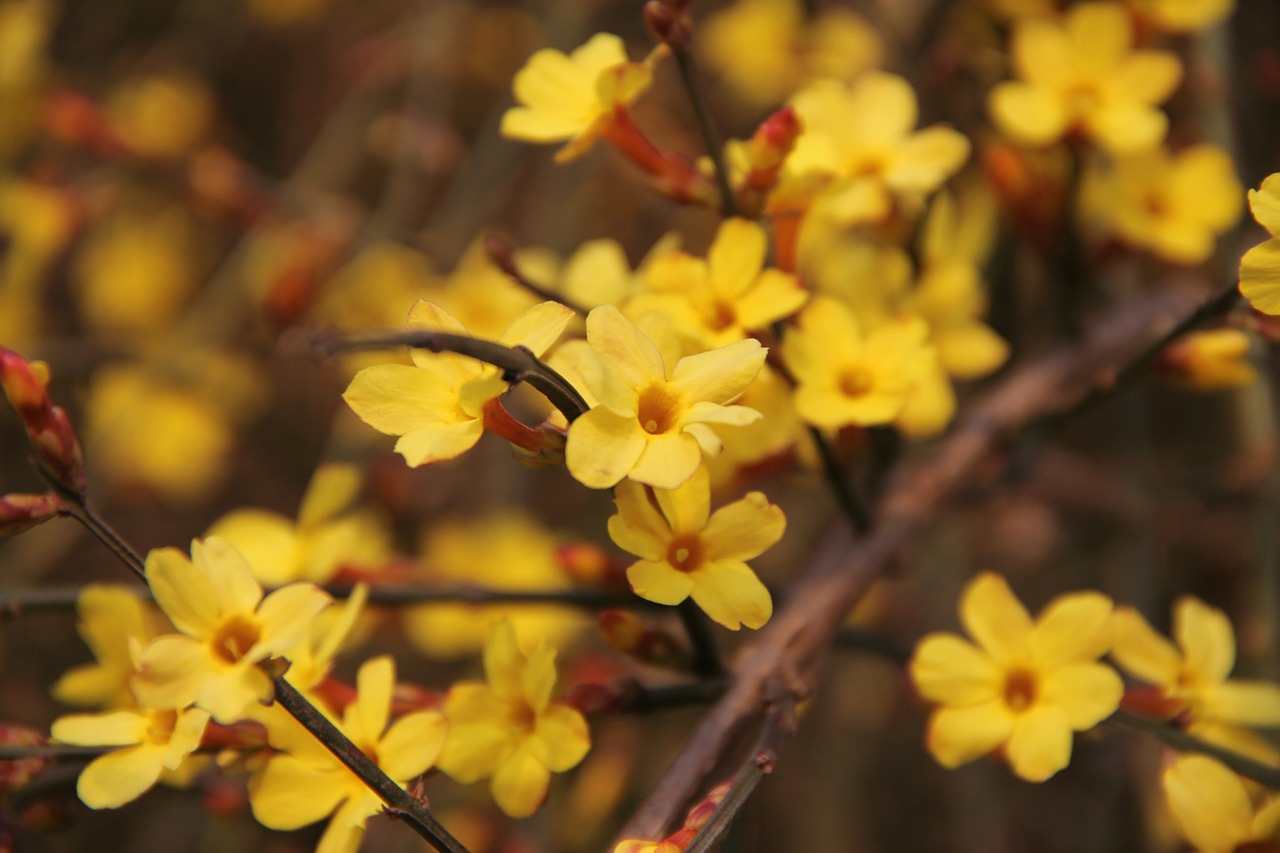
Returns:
<point x="48" y="428"/>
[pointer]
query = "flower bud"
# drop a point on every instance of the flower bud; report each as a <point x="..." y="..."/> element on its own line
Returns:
<point x="19" y="512"/>
<point x="48" y="428"/>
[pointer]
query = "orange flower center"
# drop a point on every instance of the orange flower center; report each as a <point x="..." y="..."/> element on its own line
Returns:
<point x="722" y="316"/>
<point x="160" y="725"/>
<point x="235" y="637"/>
<point x="1020" y="688"/>
<point x="685" y="553"/>
<point x="523" y="718"/>
<point x="855" y="381"/>
<point x="657" y="410"/>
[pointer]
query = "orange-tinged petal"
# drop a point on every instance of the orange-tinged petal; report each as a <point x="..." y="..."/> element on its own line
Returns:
<point x="603" y="447"/>
<point x="731" y="594"/>
<point x="995" y="618"/>
<point x="743" y="529"/>
<point x="1260" y="276"/>
<point x="720" y="375"/>
<point x="1040" y="744"/>
<point x="120" y="777"/>
<point x="949" y="669"/>
<point x="1073" y="628"/>
<point x="520" y="784"/>
<point x="119" y="728"/>
<point x="188" y="731"/>
<point x="185" y="594"/>
<point x="288" y="793"/>
<point x="1209" y="803"/>
<point x="1087" y="693"/>
<point x="1246" y="703"/>
<point x="959" y="735"/>
<point x="560" y="737"/>
<point x="667" y="461"/>
<point x="687" y="507"/>
<point x="1206" y="638"/>
<point x="1143" y="652"/>
<point x="638" y="528"/>
<point x="1264" y="202"/>
<point x="658" y="582"/>
<point x="438" y="442"/>
<point x="412" y="744"/>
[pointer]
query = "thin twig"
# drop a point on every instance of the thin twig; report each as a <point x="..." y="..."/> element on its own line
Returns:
<point x="1183" y="741"/>
<point x="517" y="363"/>
<point x="503" y="255"/>
<point x="82" y="512"/>
<point x="706" y="657"/>
<point x="710" y="136"/>
<point x="850" y="501"/>
<point x="400" y="802"/>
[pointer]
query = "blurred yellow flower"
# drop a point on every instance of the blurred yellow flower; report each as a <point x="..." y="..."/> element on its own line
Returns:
<point x="863" y="137"/>
<point x="1214" y="810"/>
<point x="112" y="618"/>
<point x="1025" y="686"/>
<point x="724" y="298"/>
<point x="574" y="97"/>
<point x="764" y="49"/>
<point x="165" y="116"/>
<point x="1260" y="266"/>
<point x="1180" y="16"/>
<point x="327" y="535"/>
<point x="305" y="782"/>
<point x="509" y="728"/>
<point x="226" y="626"/>
<point x="1193" y="674"/>
<point x="1174" y="205"/>
<point x="1209" y="360"/>
<point x="687" y="552"/>
<point x="152" y="742"/>
<point x="1083" y="75"/>
<point x="651" y="424"/>
<point x="501" y="549"/>
<point x="438" y="405"/>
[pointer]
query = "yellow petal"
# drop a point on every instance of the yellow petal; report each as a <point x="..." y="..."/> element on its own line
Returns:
<point x="333" y="487"/>
<point x="1260" y="276"/>
<point x="743" y="529"/>
<point x="995" y="618"/>
<point x="439" y="442"/>
<point x="396" y="399"/>
<point x="602" y="447"/>
<point x="1142" y="652"/>
<point x="731" y="594"/>
<point x="925" y="160"/>
<point x="120" y="777"/>
<point x="1028" y="115"/>
<point x="720" y="375"/>
<point x="658" y="582"/>
<point x="1206" y="638"/>
<point x="119" y="728"/>
<point x="736" y="257"/>
<point x="1246" y="703"/>
<point x="288" y="793"/>
<point x="560" y="738"/>
<point x="170" y="672"/>
<point x="1209" y="802"/>
<point x="1265" y="204"/>
<point x="686" y="508"/>
<point x="1128" y="127"/>
<point x="520" y="783"/>
<point x="266" y="539"/>
<point x="1073" y="628"/>
<point x="231" y="694"/>
<point x="957" y="736"/>
<point x="233" y="582"/>
<point x="539" y="678"/>
<point x="185" y="594"/>
<point x="1148" y="76"/>
<point x="504" y="663"/>
<point x="472" y="751"/>
<point x="412" y="744"/>
<point x="666" y="461"/>
<point x="1040" y="744"/>
<point x="971" y="350"/>
<point x="1087" y="693"/>
<point x="638" y="528"/>
<point x="538" y="327"/>
<point x="374" y="682"/>
<point x="188" y="730"/>
<point x="287" y="613"/>
<point x="949" y="669"/>
<point x="617" y="339"/>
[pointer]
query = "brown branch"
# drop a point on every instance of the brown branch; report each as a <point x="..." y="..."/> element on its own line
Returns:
<point x="806" y="626"/>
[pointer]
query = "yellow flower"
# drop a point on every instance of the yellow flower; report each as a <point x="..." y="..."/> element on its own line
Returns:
<point x="437" y="405"/>
<point x="164" y="116"/>
<point x="727" y="296"/>
<point x="1260" y="266"/>
<point x="650" y="424"/>
<point x="227" y="629"/>
<point x="1173" y="205"/>
<point x="1214" y="810"/>
<point x="153" y="741"/>
<point x="111" y="618"/>
<point x="325" y="538"/>
<point x="509" y="729"/>
<point x="311" y="658"/>
<point x="1180" y="16"/>
<point x="864" y="138"/>
<point x="686" y="551"/>
<point x="574" y="97"/>
<point x="1082" y="74"/>
<point x="1193" y="674"/>
<point x="1209" y="360"/>
<point x="1025" y="686"/>
<point x="306" y="782"/>
<point x="501" y="549"/>
<point x="845" y="376"/>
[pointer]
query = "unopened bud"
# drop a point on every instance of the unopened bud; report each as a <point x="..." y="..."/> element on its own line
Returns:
<point x="502" y="253"/>
<point x="19" y="512"/>
<point x="669" y="23"/>
<point x="48" y="427"/>
<point x="1210" y="360"/>
<point x="627" y="633"/>
<point x="585" y="562"/>
<point x="774" y="139"/>
<point x="702" y="812"/>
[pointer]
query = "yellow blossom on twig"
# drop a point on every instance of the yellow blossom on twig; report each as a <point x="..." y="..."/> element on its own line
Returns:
<point x="1260" y="266"/>
<point x="1213" y="808"/>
